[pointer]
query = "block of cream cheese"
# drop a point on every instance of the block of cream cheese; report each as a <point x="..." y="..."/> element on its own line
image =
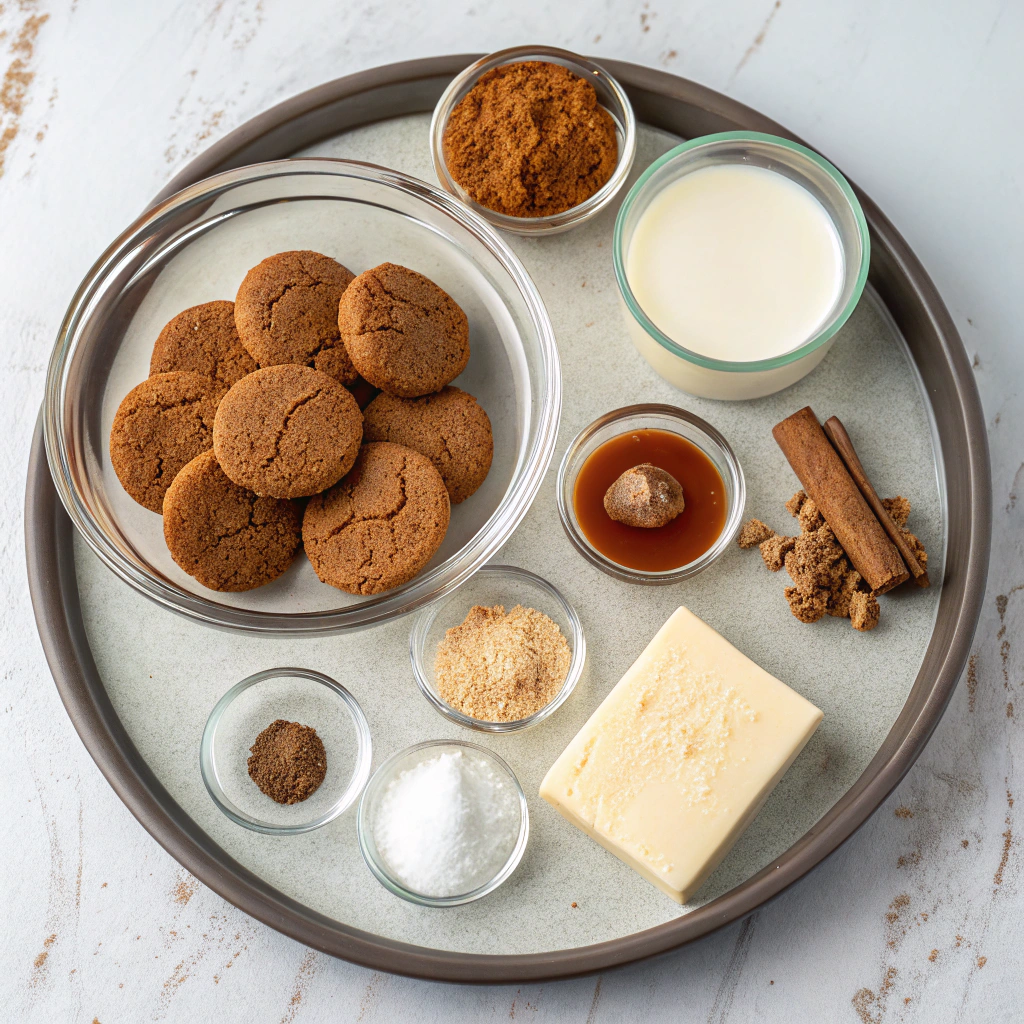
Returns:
<point x="680" y="756"/>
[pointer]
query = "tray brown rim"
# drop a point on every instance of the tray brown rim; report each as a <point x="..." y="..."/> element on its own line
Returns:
<point x="687" y="109"/>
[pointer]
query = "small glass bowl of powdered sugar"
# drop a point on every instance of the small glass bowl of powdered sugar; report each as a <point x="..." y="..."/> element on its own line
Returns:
<point x="443" y="823"/>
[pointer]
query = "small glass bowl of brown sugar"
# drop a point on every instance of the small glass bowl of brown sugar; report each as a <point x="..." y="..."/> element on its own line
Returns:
<point x="578" y="154"/>
<point x="503" y="653"/>
<point x="285" y="751"/>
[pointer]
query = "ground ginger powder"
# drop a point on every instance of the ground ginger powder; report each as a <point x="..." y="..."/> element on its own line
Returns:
<point x="499" y="667"/>
<point x="530" y="140"/>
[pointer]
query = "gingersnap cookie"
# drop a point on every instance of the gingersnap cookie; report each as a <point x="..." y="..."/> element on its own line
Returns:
<point x="160" y="426"/>
<point x="225" y="536"/>
<point x="404" y="334"/>
<point x="287" y="431"/>
<point x="286" y="311"/>
<point x="203" y="339"/>
<point x="380" y="525"/>
<point x="449" y="428"/>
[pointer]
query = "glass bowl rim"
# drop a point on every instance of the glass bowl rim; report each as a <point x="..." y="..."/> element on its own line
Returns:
<point x="828" y="329"/>
<point x="734" y="516"/>
<point x="554" y="222"/>
<point x="364" y="831"/>
<point x="530" y="467"/>
<point x="360" y="770"/>
<point x="427" y="617"/>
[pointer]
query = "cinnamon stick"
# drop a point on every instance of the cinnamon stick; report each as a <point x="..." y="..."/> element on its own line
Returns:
<point x="836" y="433"/>
<point x="828" y="483"/>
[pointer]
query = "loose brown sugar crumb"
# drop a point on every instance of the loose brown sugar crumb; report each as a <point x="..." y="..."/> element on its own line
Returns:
<point x="824" y="581"/>
<point x="864" y="611"/>
<point x="753" y="533"/>
<point x="775" y="549"/>
<point x="898" y="508"/>
<point x="288" y="761"/>
<point x="795" y="503"/>
<point x="500" y="667"/>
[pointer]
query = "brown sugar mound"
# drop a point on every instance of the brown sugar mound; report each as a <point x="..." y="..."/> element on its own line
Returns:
<point x="644" y="496"/>
<point x="203" y="339"/>
<point x="286" y="311"/>
<point x="450" y="428"/>
<point x="287" y="431"/>
<point x="404" y="334"/>
<point x="530" y="140"/>
<point x="161" y="425"/>
<point x="288" y="761"/>
<point x="224" y="536"/>
<point x="824" y="581"/>
<point x="499" y="667"/>
<point x="380" y="525"/>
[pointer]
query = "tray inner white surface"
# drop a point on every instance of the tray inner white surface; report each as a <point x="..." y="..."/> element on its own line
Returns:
<point x="164" y="674"/>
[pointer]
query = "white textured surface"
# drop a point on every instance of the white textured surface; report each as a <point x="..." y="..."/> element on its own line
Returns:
<point x="921" y="908"/>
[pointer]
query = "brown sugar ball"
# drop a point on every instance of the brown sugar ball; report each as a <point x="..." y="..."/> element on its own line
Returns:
<point x="380" y="525"/>
<point x="286" y="311"/>
<point x="287" y="431"/>
<point x="405" y="335"/>
<point x="450" y="428"/>
<point x="203" y="339"/>
<point x="160" y="426"/>
<point x="645" y="496"/>
<point x="224" y="536"/>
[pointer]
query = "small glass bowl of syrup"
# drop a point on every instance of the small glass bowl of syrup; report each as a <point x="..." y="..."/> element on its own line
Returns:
<point x="682" y="444"/>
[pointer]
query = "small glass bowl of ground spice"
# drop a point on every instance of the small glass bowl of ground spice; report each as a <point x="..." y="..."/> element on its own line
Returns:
<point x="501" y="654"/>
<point x="285" y="751"/>
<point x="535" y="139"/>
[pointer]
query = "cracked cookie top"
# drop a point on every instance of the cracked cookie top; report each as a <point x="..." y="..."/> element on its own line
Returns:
<point x="380" y="525"/>
<point x="160" y="426"/>
<point x="225" y="536"/>
<point x="203" y="339"/>
<point x="450" y="428"/>
<point x="405" y="335"/>
<point x="287" y="431"/>
<point x="286" y="311"/>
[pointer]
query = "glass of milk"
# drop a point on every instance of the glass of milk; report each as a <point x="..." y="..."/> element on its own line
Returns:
<point x="738" y="257"/>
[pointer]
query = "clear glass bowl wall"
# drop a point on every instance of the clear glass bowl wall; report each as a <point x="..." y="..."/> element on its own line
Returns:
<point x="196" y="247"/>
<point x="715" y="378"/>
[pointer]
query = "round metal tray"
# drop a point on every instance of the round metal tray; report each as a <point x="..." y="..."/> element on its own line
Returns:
<point x="684" y="108"/>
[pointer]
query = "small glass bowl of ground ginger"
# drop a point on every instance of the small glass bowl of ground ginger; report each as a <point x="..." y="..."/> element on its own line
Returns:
<point x="285" y="751"/>
<point x="503" y="653"/>
<point x="568" y="123"/>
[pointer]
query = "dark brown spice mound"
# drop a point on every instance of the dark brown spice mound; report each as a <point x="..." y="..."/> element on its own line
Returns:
<point x="530" y="140"/>
<point x="288" y="761"/>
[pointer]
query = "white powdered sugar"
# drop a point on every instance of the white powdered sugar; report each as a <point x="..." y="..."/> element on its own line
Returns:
<point x="447" y="825"/>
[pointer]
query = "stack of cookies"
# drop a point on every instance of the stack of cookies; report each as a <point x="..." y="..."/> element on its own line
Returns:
<point x="248" y="437"/>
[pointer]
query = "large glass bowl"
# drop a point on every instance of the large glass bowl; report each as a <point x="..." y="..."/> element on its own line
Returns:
<point x="196" y="247"/>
